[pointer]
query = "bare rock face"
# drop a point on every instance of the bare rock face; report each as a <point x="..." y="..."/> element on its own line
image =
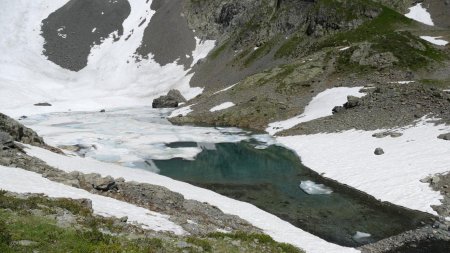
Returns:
<point x="19" y="132"/>
<point x="171" y="100"/>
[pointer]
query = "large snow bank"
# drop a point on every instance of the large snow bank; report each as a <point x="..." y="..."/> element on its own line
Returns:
<point x="111" y="79"/>
<point x="280" y="230"/>
<point x="348" y="157"/>
<point x="419" y="13"/>
<point x="320" y="106"/>
<point x="22" y="181"/>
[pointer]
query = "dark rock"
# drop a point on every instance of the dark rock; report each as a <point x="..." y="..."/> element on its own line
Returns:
<point x="43" y="104"/>
<point x="102" y="110"/>
<point x="352" y="102"/>
<point x="171" y="100"/>
<point x="445" y="136"/>
<point x="379" y="151"/>
<point x="338" y="109"/>
<point x="6" y="141"/>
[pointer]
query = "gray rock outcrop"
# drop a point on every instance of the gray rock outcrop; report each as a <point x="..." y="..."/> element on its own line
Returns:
<point x="171" y="100"/>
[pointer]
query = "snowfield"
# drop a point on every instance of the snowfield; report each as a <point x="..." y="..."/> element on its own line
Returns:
<point x="435" y="40"/>
<point x="222" y="106"/>
<point x="111" y="79"/>
<point x="320" y="106"/>
<point x="280" y="230"/>
<point x="348" y="157"/>
<point x="419" y="13"/>
<point x="22" y="181"/>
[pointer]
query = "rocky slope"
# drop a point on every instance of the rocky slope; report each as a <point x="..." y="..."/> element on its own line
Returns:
<point x="296" y="50"/>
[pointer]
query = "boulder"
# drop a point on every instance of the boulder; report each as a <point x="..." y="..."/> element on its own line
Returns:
<point x="352" y="101"/>
<point x="379" y="151"/>
<point x="338" y="109"/>
<point x="43" y="104"/>
<point x="171" y="100"/>
<point x="104" y="184"/>
<point x="445" y="136"/>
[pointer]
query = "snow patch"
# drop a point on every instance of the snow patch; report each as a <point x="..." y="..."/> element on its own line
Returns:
<point x="183" y="111"/>
<point x="278" y="229"/>
<point x="222" y="106"/>
<point x="312" y="188"/>
<point x="22" y="181"/>
<point x="435" y="40"/>
<point x="395" y="177"/>
<point x="227" y="88"/>
<point x="320" y="106"/>
<point x="403" y="82"/>
<point x="344" y="48"/>
<point x="419" y="13"/>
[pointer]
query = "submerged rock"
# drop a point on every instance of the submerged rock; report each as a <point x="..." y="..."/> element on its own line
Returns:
<point x="171" y="100"/>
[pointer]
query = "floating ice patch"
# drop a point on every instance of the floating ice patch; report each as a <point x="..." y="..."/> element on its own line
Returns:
<point x="419" y="13"/>
<point x="320" y="106"/>
<point x="435" y="40"/>
<point x="95" y="29"/>
<point x="361" y="235"/>
<point x="222" y="106"/>
<point x="315" y="189"/>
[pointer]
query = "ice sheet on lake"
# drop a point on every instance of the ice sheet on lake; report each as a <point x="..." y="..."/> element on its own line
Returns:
<point x="127" y="136"/>
<point x="320" y="106"/>
<point x="315" y="189"/>
<point x="22" y="181"/>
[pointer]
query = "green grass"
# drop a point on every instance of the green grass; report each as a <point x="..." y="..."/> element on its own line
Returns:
<point x="218" y="50"/>
<point x="259" y="53"/>
<point x="289" y="47"/>
<point x="260" y="238"/>
<point x="18" y="222"/>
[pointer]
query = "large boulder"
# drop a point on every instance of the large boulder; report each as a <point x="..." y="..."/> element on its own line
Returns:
<point x="171" y="100"/>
